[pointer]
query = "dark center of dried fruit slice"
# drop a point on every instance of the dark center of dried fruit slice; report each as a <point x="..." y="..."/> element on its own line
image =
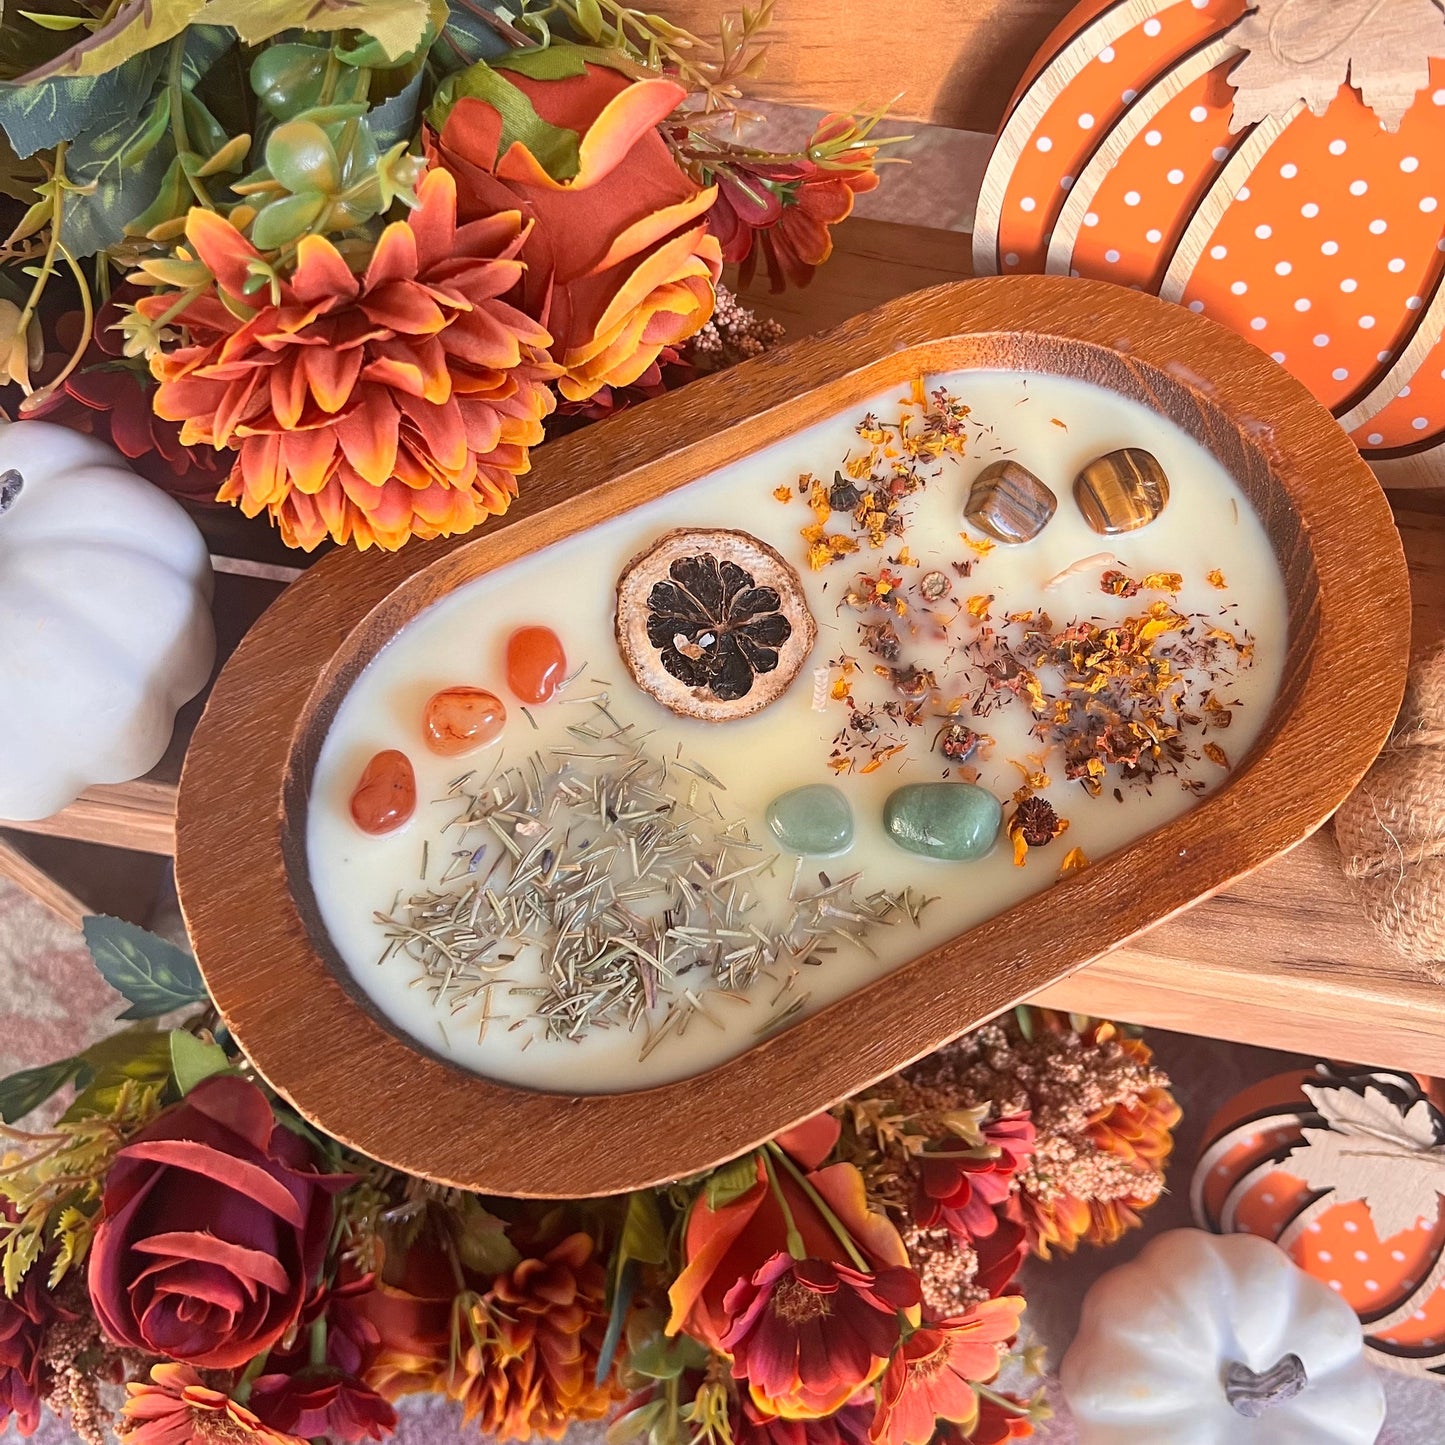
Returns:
<point x="713" y="623"/>
<point x="715" y="628"/>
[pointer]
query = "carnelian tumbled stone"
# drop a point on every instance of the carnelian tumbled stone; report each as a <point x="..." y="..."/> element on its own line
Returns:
<point x="461" y="719"/>
<point x="385" y="796"/>
<point x="535" y="663"/>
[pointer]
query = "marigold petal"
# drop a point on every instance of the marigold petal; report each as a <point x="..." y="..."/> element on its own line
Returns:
<point x="288" y="391"/>
<point x="332" y="374"/>
<point x="433" y="220"/>
<point x="226" y="252"/>
<point x="307" y="456"/>
<point x="395" y="257"/>
<point x="368" y="436"/>
<point x="404" y="306"/>
<point x="321" y="274"/>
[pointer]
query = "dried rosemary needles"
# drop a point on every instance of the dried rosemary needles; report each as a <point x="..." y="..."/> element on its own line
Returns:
<point x="614" y="873"/>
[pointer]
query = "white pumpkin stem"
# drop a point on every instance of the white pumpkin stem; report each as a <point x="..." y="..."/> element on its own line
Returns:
<point x="1251" y="1393"/>
<point x="11" y="485"/>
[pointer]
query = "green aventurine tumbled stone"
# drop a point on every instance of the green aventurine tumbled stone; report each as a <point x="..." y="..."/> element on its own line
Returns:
<point x="813" y="820"/>
<point x="956" y="821"/>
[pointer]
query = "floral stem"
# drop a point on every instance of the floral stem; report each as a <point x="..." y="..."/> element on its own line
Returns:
<point x="821" y="1205"/>
<point x="1010" y="1407"/>
<point x="253" y="1371"/>
<point x="179" y="134"/>
<point x="796" y="1247"/>
<point x="87" y="307"/>
<point x="318" y="1340"/>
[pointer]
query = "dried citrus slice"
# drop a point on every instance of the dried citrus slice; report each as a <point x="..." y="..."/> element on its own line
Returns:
<point x="713" y="623"/>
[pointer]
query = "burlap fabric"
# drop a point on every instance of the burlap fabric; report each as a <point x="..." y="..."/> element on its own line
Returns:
<point x="1391" y="829"/>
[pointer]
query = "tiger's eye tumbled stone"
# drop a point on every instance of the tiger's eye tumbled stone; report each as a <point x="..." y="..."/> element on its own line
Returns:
<point x="1122" y="491"/>
<point x="461" y="719"/>
<point x="385" y="795"/>
<point x="1009" y="503"/>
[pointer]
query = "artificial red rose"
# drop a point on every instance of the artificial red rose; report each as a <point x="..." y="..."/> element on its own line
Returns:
<point x="322" y="1402"/>
<point x="25" y="1317"/>
<point x="734" y="1241"/>
<point x="806" y="1334"/>
<point x="214" y="1228"/>
<point x="619" y="261"/>
<point x="963" y="1188"/>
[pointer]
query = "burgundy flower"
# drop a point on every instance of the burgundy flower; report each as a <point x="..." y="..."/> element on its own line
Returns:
<point x="214" y="1224"/>
<point x="847" y="1426"/>
<point x="963" y="1188"/>
<point x="110" y="397"/>
<point x="807" y="1333"/>
<point x="353" y="1340"/>
<point x="1001" y="1254"/>
<point x="24" y="1319"/>
<point x="322" y="1402"/>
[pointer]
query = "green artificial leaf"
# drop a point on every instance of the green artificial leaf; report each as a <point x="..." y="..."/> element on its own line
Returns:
<point x="38" y="114"/>
<point x="55" y="22"/>
<point x="554" y="146"/>
<point x="135" y="1056"/>
<point x="121" y="168"/>
<point x="285" y="220"/>
<point x="466" y="37"/>
<point x="482" y="1243"/>
<point x="396" y="25"/>
<point x="643" y="1236"/>
<point x="30" y="1088"/>
<point x="300" y="155"/>
<point x="555" y="62"/>
<point x="622" y="1294"/>
<point x="395" y="120"/>
<point x="154" y="976"/>
<point x="665" y="1357"/>
<point x="136" y="27"/>
<point x="731" y="1181"/>
<point x="193" y="1059"/>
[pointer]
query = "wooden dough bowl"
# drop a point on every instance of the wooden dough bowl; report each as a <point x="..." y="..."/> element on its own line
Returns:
<point x="240" y="860"/>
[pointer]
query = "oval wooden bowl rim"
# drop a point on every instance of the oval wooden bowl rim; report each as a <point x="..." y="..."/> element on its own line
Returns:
<point x="240" y="826"/>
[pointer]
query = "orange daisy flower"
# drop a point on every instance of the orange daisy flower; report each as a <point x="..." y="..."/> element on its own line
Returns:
<point x="175" y="1408"/>
<point x="370" y="408"/>
<point x="932" y="1377"/>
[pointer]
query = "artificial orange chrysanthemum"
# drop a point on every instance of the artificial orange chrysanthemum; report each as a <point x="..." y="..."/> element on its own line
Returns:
<point x="370" y="408"/>
<point x="530" y="1365"/>
<point x="176" y="1408"/>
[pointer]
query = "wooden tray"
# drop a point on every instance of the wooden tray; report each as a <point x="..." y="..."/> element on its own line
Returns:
<point x="243" y="797"/>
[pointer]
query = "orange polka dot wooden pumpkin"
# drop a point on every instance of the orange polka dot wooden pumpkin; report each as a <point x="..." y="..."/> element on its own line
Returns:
<point x="1279" y="167"/>
<point x="1343" y="1172"/>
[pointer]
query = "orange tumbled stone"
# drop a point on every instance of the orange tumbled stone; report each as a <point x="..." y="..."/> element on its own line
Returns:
<point x="385" y="796"/>
<point x="462" y="719"/>
<point x="535" y="663"/>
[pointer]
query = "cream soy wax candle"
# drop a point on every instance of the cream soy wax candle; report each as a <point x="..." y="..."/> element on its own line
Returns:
<point x="804" y="719"/>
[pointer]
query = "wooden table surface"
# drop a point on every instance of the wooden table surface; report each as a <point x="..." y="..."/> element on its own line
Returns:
<point x="1283" y="958"/>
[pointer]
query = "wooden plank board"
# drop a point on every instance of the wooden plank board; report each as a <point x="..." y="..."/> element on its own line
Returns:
<point x="950" y="62"/>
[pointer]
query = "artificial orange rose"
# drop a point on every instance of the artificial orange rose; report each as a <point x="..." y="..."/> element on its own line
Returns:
<point x="620" y="264"/>
<point x="723" y="1246"/>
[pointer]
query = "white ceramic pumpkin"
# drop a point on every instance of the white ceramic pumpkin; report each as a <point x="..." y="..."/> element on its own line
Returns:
<point x="105" y="618"/>
<point x="1210" y="1340"/>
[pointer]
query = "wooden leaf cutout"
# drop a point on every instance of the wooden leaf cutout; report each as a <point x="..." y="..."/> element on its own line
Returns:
<point x="1305" y="50"/>
<point x="1373" y="1151"/>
